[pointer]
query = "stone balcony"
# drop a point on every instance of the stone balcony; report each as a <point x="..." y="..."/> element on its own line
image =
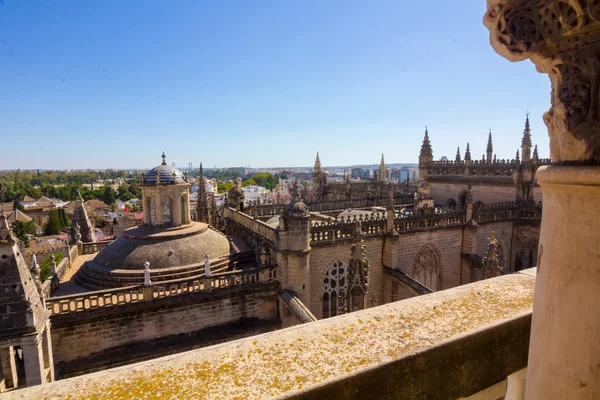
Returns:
<point x="450" y="344"/>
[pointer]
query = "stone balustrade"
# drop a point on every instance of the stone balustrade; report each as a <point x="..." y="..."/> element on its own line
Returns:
<point x="506" y="211"/>
<point x="449" y="344"/>
<point x="133" y="294"/>
<point x="93" y="247"/>
<point x="252" y="224"/>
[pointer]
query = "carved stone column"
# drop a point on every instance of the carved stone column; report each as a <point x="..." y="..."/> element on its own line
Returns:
<point x="562" y="38"/>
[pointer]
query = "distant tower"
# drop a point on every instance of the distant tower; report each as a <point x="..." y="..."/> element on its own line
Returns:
<point x="319" y="180"/>
<point x="317" y="169"/>
<point x="490" y="148"/>
<point x="202" y="203"/>
<point x="468" y="154"/>
<point x="425" y="157"/>
<point x="526" y="143"/>
<point x="382" y="171"/>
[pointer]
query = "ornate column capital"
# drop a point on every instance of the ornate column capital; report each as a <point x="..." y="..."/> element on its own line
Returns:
<point x="562" y="38"/>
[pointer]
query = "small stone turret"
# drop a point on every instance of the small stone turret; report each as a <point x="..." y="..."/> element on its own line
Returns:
<point x="382" y="176"/>
<point x="490" y="148"/>
<point x="82" y="229"/>
<point x="202" y="202"/>
<point x="526" y="142"/>
<point x="425" y="157"/>
<point x="457" y="159"/>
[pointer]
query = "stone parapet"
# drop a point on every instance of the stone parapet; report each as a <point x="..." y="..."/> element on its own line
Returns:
<point x="448" y="344"/>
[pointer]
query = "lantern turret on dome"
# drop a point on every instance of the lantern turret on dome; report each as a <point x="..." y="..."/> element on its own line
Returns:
<point x="166" y="196"/>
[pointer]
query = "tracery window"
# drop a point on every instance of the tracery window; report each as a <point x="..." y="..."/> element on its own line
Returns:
<point x="426" y="267"/>
<point x="335" y="283"/>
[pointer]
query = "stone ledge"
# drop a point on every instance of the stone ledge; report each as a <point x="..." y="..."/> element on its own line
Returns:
<point x="447" y="344"/>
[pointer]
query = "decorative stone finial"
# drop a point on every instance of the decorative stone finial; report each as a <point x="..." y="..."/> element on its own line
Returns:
<point x="207" y="265"/>
<point x="52" y="265"/>
<point x="147" y="280"/>
<point x="468" y="153"/>
<point x="164" y="159"/>
<point x="491" y="263"/>
<point x="560" y="38"/>
<point x="457" y="159"/>
<point x="35" y="272"/>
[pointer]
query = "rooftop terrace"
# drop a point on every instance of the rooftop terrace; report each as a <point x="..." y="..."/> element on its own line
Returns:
<point x="448" y="344"/>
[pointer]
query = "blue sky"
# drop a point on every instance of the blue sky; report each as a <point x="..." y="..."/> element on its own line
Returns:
<point x="100" y="84"/>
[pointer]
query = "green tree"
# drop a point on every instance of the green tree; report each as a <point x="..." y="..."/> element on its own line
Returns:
<point x="108" y="197"/>
<point x="249" y="182"/>
<point x="22" y="229"/>
<point x="17" y="205"/>
<point x="224" y="187"/>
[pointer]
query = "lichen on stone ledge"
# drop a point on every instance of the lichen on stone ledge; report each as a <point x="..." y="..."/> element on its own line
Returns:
<point x="295" y="359"/>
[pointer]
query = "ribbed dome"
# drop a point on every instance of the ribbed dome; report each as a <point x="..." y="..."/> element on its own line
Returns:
<point x="165" y="173"/>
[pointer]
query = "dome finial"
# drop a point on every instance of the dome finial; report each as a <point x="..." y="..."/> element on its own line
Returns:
<point x="164" y="161"/>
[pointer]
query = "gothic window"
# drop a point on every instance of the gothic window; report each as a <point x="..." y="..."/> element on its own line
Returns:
<point x="152" y="210"/>
<point x="426" y="267"/>
<point x="462" y="198"/>
<point x="167" y="208"/>
<point x="451" y="202"/>
<point x="335" y="283"/>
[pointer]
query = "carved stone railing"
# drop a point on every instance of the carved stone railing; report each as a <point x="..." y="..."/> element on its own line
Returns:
<point x="506" y="211"/>
<point x="134" y="294"/>
<point x="479" y="168"/>
<point x="322" y="232"/>
<point x="93" y="247"/>
<point x="443" y="217"/>
<point x="253" y="225"/>
<point x="473" y="335"/>
<point x="53" y="281"/>
<point x="256" y="209"/>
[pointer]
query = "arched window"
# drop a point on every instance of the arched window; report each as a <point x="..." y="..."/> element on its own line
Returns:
<point x="152" y="210"/>
<point x="426" y="267"/>
<point x="167" y="211"/>
<point x="335" y="283"/>
<point x="462" y="198"/>
<point x="451" y="202"/>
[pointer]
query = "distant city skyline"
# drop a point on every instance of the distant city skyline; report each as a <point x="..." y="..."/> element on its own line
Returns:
<point x="268" y="84"/>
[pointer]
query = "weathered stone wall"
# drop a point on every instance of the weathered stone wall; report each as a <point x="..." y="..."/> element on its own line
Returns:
<point x="90" y="333"/>
<point x="488" y="193"/>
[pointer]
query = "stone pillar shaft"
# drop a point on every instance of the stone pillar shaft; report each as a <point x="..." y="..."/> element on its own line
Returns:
<point x="564" y="355"/>
<point x="33" y="356"/>
<point x="9" y="368"/>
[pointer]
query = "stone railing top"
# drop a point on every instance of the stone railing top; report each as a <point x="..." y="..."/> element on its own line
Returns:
<point x="301" y="360"/>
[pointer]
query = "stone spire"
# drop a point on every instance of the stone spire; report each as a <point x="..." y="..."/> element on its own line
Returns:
<point x="24" y="311"/>
<point x="457" y="159"/>
<point x="468" y="153"/>
<point x="382" y="170"/>
<point x="491" y="263"/>
<point x="517" y="160"/>
<point x="490" y="148"/>
<point x="426" y="155"/>
<point x="526" y="142"/>
<point x="317" y="168"/>
<point x="536" y="157"/>
<point x="82" y="229"/>
<point x="201" y="204"/>
<point x="164" y="159"/>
